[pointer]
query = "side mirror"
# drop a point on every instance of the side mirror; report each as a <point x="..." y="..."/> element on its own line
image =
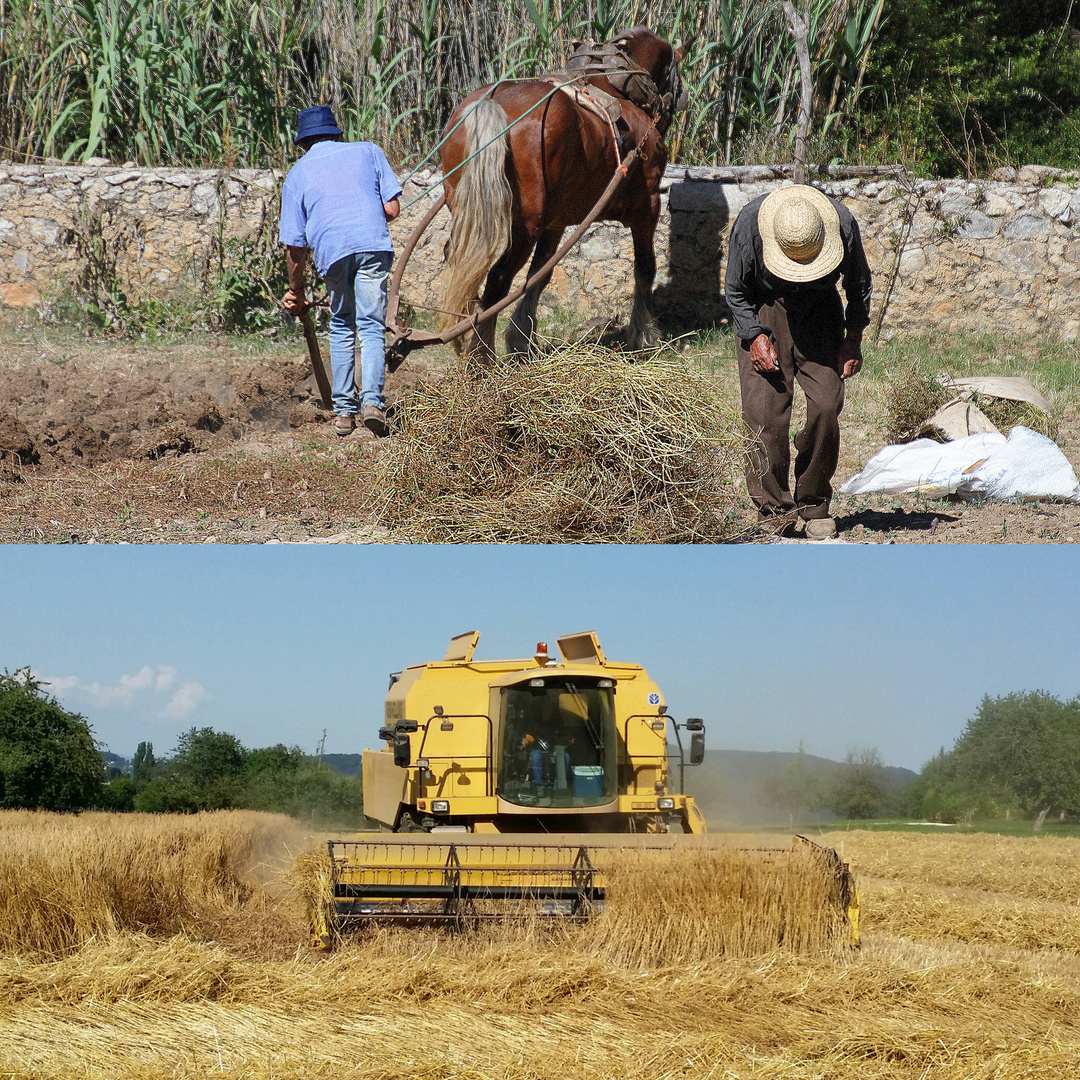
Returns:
<point x="697" y="748"/>
<point x="694" y="723"/>
<point x="401" y="751"/>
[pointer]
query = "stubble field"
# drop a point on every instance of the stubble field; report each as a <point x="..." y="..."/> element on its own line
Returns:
<point x="136" y="947"/>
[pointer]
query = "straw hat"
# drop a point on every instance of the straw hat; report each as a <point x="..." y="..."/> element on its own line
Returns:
<point x="800" y="233"/>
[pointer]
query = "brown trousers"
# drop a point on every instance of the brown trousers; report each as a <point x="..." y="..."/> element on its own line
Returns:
<point x="808" y="347"/>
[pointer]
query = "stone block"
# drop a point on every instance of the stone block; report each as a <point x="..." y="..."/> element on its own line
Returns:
<point x="1025" y="226"/>
<point x="1055" y="203"/>
<point x="19" y="294"/>
<point x="204" y="198"/>
<point x="1037" y="174"/>
<point x="979" y="226"/>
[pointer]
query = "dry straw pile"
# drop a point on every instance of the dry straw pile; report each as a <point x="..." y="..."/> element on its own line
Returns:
<point x="581" y="445"/>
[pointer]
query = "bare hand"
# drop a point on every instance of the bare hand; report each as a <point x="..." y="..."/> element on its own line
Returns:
<point x="763" y="355"/>
<point x="849" y="359"/>
<point x="294" y="302"/>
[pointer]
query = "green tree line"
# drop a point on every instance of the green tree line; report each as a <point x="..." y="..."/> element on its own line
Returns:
<point x="945" y="86"/>
<point x="50" y="761"/>
<point x="1018" y="756"/>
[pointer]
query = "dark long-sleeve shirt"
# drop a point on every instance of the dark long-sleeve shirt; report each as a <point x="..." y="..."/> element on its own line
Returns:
<point x="748" y="285"/>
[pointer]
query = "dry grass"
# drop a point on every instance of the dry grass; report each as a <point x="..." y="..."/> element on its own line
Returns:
<point x="756" y="902"/>
<point x="1036" y="868"/>
<point x="909" y="400"/>
<point x="65" y="881"/>
<point x="629" y="1001"/>
<point x="578" y="446"/>
<point x="919" y="913"/>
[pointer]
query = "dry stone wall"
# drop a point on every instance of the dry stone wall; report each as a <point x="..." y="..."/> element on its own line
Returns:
<point x="1000" y="256"/>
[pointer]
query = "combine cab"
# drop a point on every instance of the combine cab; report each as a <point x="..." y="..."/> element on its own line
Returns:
<point x="537" y="745"/>
<point x="508" y="784"/>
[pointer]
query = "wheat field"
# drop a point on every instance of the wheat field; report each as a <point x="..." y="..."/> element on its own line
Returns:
<point x="135" y="947"/>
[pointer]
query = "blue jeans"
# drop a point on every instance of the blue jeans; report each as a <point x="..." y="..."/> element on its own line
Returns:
<point x="357" y="286"/>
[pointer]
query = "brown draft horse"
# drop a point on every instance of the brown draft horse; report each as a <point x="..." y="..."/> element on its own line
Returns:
<point x="536" y="177"/>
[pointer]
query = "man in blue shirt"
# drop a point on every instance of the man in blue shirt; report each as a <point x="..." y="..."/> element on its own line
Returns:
<point x="337" y="201"/>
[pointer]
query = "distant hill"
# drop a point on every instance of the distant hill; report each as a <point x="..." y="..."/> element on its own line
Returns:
<point x="115" y="761"/>
<point x="728" y="785"/>
<point x="349" y="764"/>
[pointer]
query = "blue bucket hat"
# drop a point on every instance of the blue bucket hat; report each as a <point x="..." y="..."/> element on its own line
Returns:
<point x="318" y="120"/>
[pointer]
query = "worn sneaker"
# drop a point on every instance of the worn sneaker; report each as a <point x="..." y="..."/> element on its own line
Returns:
<point x="820" y="528"/>
<point x="344" y="424"/>
<point x="375" y="421"/>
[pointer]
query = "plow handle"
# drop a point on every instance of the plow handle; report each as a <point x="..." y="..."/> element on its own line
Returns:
<point x="317" y="366"/>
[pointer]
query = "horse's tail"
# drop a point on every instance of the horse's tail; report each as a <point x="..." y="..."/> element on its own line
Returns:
<point x="482" y="209"/>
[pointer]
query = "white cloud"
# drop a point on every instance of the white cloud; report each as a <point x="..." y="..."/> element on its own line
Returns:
<point x="166" y="676"/>
<point x="185" y="700"/>
<point x="151" y="689"/>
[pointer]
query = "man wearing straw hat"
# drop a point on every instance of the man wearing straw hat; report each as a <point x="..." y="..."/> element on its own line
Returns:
<point x="787" y="253"/>
<point x="337" y="200"/>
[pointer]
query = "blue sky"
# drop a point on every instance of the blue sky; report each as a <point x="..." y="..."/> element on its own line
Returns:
<point x="836" y="648"/>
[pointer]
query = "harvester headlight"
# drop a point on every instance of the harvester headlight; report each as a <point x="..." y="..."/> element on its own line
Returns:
<point x="422" y="763"/>
<point x="658" y="725"/>
<point x="537" y="682"/>
<point x="440" y="806"/>
<point x="666" y="803"/>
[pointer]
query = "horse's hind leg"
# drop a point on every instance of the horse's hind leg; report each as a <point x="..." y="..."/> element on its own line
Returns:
<point x="499" y="280"/>
<point x="643" y="332"/>
<point x="522" y="327"/>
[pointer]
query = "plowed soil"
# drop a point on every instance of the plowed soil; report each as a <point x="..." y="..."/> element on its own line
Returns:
<point x="211" y="441"/>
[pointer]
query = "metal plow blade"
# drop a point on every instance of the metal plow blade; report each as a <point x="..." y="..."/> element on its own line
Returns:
<point x="456" y="883"/>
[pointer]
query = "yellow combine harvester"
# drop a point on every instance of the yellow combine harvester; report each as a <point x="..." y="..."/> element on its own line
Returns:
<point x="508" y="782"/>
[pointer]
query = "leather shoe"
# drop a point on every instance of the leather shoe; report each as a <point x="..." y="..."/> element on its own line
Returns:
<point x="820" y="528"/>
<point x="375" y="421"/>
<point x="344" y="424"/>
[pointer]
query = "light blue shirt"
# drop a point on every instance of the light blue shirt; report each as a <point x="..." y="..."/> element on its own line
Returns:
<point x="332" y="201"/>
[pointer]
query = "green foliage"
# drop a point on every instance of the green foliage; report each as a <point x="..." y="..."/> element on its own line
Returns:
<point x="796" y="789"/>
<point x="961" y="86"/>
<point x="48" y="759"/>
<point x="170" y="795"/>
<point x="118" y="795"/>
<point x="197" y="82"/>
<point x="142" y="765"/>
<point x="860" y="789"/>
<point x="211" y="770"/>
<point x="946" y="86"/>
<point x="313" y="793"/>
<point x="1018" y="754"/>
<point x="205" y="756"/>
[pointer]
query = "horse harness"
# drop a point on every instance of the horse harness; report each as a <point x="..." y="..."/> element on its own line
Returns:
<point x="614" y="64"/>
